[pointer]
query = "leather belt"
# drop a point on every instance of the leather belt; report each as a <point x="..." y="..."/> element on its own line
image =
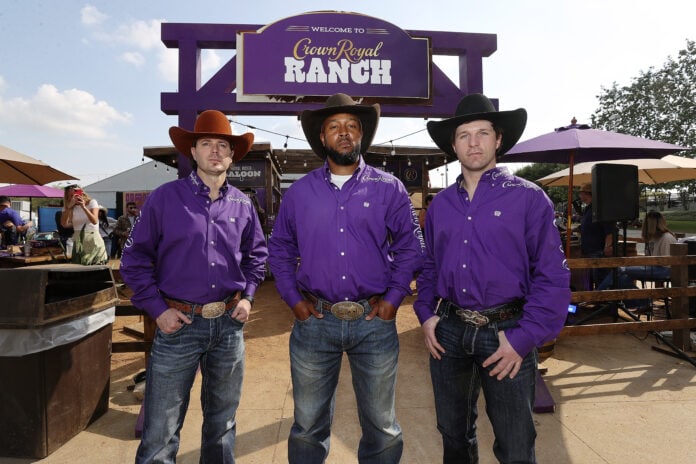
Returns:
<point x="498" y="313"/>
<point x="344" y="310"/>
<point x="208" y="310"/>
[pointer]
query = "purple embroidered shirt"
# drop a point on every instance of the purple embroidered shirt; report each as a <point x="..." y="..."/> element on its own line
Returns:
<point x="188" y="247"/>
<point x="499" y="247"/>
<point x="353" y="242"/>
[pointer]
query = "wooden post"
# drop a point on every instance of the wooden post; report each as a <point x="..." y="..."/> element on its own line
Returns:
<point x="680" y="304"/>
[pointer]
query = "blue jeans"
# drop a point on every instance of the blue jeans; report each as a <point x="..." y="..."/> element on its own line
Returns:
<point x="457" y="380"/>
<point x="316" y="350"/>
<point x="217" y="346"/>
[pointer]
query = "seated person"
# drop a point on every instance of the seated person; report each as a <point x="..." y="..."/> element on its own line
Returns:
<point x="657" y="239"/>
<point x="12" y="224"/>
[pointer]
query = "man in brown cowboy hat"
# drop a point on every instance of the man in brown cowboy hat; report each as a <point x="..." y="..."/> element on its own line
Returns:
<point x="194" y="258"/>
<point x="494" y="286"/>
<point x="358" y="242"/>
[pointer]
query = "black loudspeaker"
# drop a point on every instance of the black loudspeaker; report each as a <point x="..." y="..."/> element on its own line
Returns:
<point x="615" y="192"/>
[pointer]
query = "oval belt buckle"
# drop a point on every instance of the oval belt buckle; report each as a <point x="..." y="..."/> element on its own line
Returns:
<point x="213" y="310"/>
<point x="347" y="310"/>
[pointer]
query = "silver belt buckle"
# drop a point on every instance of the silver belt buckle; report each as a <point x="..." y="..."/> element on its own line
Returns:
<point x="347" y="310"/>
<point x="474" y="318"/>
<point x="213" y="310"/>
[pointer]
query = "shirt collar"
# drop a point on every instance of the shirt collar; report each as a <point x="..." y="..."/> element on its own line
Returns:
<point x="358" y="171"/>
<point x="199" y="188"/>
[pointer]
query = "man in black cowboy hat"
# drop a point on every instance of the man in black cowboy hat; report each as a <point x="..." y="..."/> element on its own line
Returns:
<point x="358" y="242"/>
<point x="494" y="286"/>
<point x="194" y="259"/>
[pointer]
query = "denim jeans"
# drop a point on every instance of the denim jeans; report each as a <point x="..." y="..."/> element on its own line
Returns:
<point x="457" y="380"/>
<point x="217" y="346"/>
<point x="316" y="351"/>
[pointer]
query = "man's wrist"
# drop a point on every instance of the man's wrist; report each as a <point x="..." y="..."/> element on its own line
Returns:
<point x="249" y="298"/>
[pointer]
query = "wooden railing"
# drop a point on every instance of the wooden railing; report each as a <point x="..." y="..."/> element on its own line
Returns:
<point x="679" y="293"/>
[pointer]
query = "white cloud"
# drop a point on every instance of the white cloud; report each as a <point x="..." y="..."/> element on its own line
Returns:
<point x="91" y="16"/>
<point x="143" y="35"/>
<point x="168" y="64"/>
<point x="134" y="58"/>
<point x="69" y="113"/>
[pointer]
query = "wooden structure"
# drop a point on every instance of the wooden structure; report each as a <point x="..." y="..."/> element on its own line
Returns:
<point x="679" y="292"/>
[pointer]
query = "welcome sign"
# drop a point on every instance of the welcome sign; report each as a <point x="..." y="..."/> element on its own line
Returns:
<point x="323" y="53"/>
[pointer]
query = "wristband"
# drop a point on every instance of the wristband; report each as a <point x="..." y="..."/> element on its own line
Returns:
<point x="249" y="298"/>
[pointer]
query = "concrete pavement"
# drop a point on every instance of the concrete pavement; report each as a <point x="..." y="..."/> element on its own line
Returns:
<point x="617" y="401"/>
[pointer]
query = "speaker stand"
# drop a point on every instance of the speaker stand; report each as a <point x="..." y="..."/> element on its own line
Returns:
<point x="609" y="308"/>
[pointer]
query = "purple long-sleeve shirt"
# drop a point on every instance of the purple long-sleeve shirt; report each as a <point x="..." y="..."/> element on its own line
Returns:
<point x="499" y="247"/>
<point x="188" y="247"/>
<point x="354" y="242"/>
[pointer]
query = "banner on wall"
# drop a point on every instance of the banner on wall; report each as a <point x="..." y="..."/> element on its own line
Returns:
<point x="137" y="197"/>
<point x="248" y="174"/>
<point x="322" y="53"/>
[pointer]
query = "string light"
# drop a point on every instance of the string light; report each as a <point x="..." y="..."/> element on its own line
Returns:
<point x="426" y="161"/>
<point x="285" y="145"/>
<point x="305" y="163"/>
<point x="384" y="161"/>
<point x="393" y="151"/>
<point x="409" y="160"/>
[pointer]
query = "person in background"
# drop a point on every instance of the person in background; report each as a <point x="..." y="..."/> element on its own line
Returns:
<point x="64" y="233"/>
<point x="494" y="286"/>
<point x="657" y="238"/>
<point x="356" y="235"/>
<point x="106" y="228"/>
<point x="122" y="229"/>
<point x="596" y="238"/>
<point x="194" y="259"/>
<point x="423" y="211"/>
<point x="12" y="225"/>
<point x="82" y="214"/>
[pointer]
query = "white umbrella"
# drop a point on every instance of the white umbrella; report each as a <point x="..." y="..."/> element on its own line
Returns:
<point x="669" y="168"/>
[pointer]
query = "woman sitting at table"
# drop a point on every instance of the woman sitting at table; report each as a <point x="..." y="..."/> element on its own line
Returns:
<point x="657" y="239"/>
<point x="82" y="214"/>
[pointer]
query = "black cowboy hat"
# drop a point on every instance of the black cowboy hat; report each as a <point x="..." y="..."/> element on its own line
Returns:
<point x="473" y="107"/>
<point x="211" y="123"/>
<point x="312" y="121"/>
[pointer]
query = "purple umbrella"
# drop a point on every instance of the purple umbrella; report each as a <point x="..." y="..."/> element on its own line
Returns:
<point x="30" y="191"/>
<point x="578" y="143"/>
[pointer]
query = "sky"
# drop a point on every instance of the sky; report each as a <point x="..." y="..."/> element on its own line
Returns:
<point x="80" y="82"/>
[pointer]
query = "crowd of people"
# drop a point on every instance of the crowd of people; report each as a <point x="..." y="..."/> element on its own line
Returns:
<point x="492" y="281"/>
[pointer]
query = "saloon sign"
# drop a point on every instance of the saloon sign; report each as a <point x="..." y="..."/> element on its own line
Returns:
<point x="323" y="53"/>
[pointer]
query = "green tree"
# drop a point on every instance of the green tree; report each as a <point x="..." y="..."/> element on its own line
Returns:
<point x="536" y="171"/>
<point x="658" y="104"/>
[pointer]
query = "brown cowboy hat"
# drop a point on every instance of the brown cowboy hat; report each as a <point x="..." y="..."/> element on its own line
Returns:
<point x="211" y="123"/>
<point x="339" y="103"/>
<point x="473" y="107"/>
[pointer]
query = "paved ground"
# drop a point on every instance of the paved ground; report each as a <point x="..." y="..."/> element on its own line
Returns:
<point x="617" y="401"/>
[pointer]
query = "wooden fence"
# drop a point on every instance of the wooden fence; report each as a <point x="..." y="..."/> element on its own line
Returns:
<point x="679" y="293"/>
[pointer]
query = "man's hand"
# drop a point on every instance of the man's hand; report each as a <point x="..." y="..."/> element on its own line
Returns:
<point x="507" y="359"/>
<point x="241" y="311"/>
<point x="382" y="308"/>
<point x="304" y="309"/>
<point x="171" y="320"/>
<point x="431" y="342"/>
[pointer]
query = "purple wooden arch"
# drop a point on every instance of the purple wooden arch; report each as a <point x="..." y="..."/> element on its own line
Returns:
<point x="194" y="96"/>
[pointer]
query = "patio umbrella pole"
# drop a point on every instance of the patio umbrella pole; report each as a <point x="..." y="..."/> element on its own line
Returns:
<point x="570" y="206"/>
